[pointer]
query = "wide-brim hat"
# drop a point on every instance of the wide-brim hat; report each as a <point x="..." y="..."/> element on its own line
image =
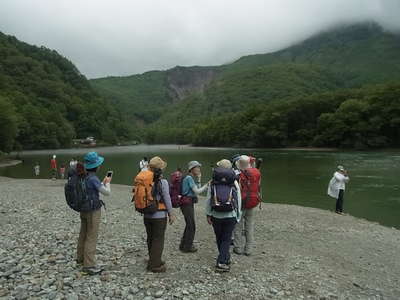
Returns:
<point x="224" y="163"/>
<point x="157" y="163"/>
<point x="92" y="160"/>
<point x="193" y="164"/>
<point x="243" y="162"/>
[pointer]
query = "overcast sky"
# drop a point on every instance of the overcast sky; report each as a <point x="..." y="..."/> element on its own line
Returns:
<point x="124" y="37"/>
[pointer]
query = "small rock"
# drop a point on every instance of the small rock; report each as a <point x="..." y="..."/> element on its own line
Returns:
<point x="72" y="296"/>
<point x="273" y="291"/>
<point x="159" y="293"/>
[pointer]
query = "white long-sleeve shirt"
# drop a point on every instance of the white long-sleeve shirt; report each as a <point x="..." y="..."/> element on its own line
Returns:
<point x="337" y="183"/>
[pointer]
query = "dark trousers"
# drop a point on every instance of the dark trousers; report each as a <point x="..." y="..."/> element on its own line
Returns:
<point x="155" y="229"/>
<point x="339" y="201"/>
<point x="190" y="228"/>
<point x="223" y="229"/>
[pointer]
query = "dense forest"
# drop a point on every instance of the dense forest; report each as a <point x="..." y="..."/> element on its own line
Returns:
<point x="45" y="102"/>
<point x="363" y="118"/>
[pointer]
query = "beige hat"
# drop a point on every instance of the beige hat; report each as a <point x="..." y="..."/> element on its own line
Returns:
<point x="224" y="163"/>
<point x="157" y="163"/>
<point x="243" y="162"/>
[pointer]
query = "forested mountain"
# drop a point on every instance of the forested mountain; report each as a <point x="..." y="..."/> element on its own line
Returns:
<point x="345" y="57"/>
<point x="339" y="88"/>
<point x="45" y="102"/>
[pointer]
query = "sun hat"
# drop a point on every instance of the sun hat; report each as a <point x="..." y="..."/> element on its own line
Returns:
<point x="92" y="160"/>
<point x="243" y="160"/>
<point x="340" y="168"/>
<point x="224" y="163"/>
<point x="193" y="164"/>
<point x="157" y="163"/>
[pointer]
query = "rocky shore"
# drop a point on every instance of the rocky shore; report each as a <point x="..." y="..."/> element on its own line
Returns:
<point x="301" y="253"/>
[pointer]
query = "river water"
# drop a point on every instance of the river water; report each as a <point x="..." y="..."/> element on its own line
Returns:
<point x="289" y="176"/>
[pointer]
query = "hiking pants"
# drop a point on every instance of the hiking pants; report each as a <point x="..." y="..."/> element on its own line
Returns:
<point x="339" y="201"/>
<point x="190" y="228"/>
<point x="86" y="252"/>
<point x="223" y="229"/>
<point x="155" y="229"/>
<point x="244" y="232"/>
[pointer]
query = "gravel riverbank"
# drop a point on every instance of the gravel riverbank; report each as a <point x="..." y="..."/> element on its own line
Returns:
<point x="301" y="253"/>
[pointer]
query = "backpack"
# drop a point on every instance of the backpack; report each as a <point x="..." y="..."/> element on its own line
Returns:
<point x="250" y="187"/>
<point x="224" y="197"/>
<point x="175" y="188"/>
<point x="145" y="193"/>
<point x="75" y="190"/>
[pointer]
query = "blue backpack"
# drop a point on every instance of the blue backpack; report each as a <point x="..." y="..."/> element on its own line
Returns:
<point x="224" y="195"/>
<point x="75" y="190"/>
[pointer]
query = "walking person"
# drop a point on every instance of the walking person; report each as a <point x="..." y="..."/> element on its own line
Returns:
<point x="53" y="167"/>
<point x="250" y="187"/>
<point x="91" y="216"/>
<point x="223" y="209"/>
<point x="36" y="169"/>
<point x="155" y="220"/>
<point x="190" y="190"/>
<point x="337" y="186"/>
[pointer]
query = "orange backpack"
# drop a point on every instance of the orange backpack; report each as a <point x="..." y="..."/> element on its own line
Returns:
<point x="143" y="193"/>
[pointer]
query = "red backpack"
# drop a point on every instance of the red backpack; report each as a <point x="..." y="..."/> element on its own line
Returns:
<point x="175" y="188"/>
<point x="250" y="180"/>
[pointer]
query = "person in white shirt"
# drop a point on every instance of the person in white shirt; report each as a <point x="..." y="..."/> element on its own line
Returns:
<point x="143" y="164"/>
<point x="337" y="186"/>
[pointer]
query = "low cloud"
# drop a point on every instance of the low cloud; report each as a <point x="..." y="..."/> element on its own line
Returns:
<point x="124" y="37"/>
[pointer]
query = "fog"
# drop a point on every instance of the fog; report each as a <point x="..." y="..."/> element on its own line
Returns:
<point x="123" y="37"/>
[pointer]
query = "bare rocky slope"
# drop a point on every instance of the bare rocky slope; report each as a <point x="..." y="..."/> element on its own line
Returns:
<point x="301" y="253"/>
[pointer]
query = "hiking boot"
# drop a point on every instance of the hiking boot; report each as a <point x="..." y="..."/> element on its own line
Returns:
<point x="237" y="252"/>
<point x="91" y="270"/>
<point x="222" y="268"/>
<point x="148" y="267"/>
<point x="160" y="269"/>
<point x="189" y="250"/>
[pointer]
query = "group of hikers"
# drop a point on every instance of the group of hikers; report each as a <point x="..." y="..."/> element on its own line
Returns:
<point x="232" y="195"/>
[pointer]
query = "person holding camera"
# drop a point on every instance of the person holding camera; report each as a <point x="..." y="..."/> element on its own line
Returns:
<point x="337" y="186"/>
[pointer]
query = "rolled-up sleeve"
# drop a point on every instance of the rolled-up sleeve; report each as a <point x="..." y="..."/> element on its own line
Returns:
<point x="165" y="195"/>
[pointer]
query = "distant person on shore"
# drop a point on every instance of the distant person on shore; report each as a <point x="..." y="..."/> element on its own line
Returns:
<point x="336" y="187"/>
<point x="91" y="216"/>
<point x="250" y="187"/>
<point x="73" y="162"/>
<point x="53" y="166"/>
<point x="223" y="210"/>
<point x="36" y="169"/>
<point x="62" y="171"/>
<point x="143" y="164"/>
<point x="156" y="212"/>
<point x="190" y="190"/>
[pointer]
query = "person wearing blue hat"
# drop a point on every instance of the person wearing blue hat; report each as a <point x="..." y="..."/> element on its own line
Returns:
<point x="90" y="221"/>
<point x="190" y="191"/>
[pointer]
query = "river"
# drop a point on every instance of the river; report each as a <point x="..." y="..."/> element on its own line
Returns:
<point x="289" y="176"/>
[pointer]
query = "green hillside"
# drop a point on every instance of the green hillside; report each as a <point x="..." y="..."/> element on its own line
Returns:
<point x="321" y="67"/>
<point x="45" y="102"/>
<point x="345" y="57"/>
<point x="364" y="51"/>
<point x="143" y="98"/>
